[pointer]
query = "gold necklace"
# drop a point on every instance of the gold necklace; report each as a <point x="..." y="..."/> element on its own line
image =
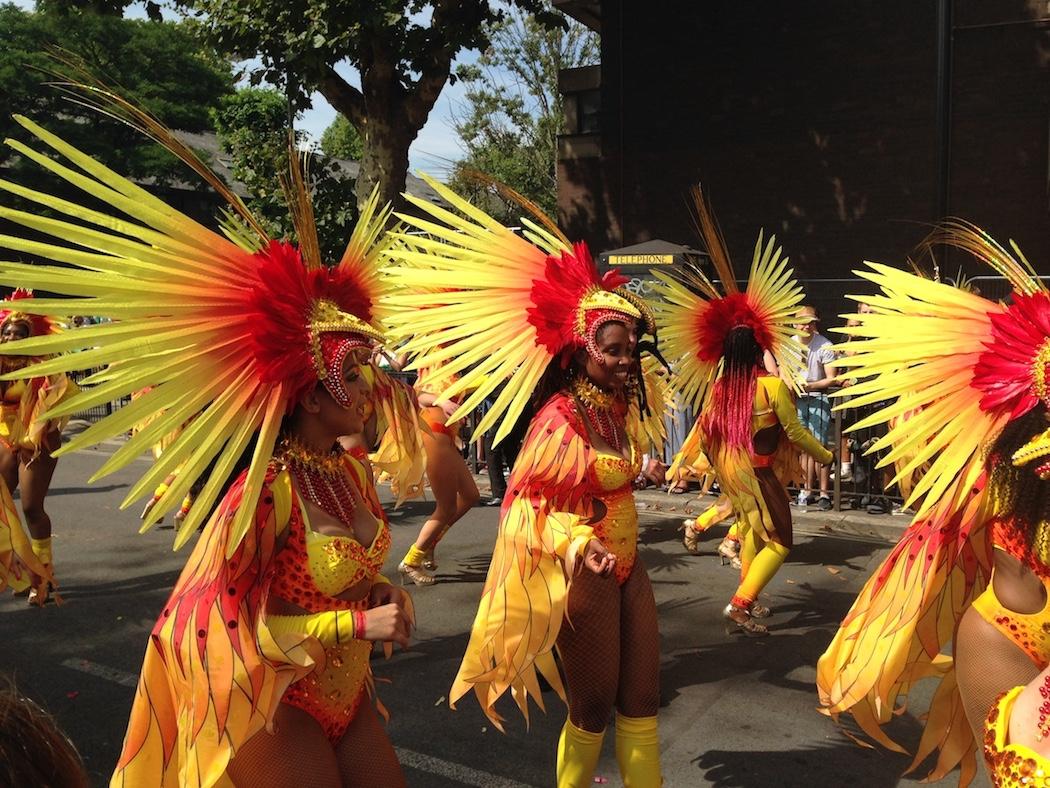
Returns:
<point x="321" y="477"/>
<point x="600" y="408"/>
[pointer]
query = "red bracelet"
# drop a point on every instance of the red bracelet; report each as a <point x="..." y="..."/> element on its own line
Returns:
<point x="359" y="624"/>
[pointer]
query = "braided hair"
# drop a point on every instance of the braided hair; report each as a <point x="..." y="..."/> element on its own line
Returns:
<point x="1017" y="491"/>
<point x="727" y="421"/>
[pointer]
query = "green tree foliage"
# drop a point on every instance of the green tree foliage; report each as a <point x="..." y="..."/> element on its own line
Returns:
<point x="341" y="140"/>
<point x="253" y="130"/>
<point x="513" y="112"/>
<point x="162" y="66"/>
<point x="403" y="50"/>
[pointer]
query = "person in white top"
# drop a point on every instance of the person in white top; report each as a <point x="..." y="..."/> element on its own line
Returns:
<point x="814" y="409"/>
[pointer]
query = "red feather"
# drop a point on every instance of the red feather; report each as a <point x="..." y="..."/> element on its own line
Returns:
<point x="1003" y="373"/>
<point x="721" y="316"/>
<point x="556" y="296"/>
<point x="279" y="310"/>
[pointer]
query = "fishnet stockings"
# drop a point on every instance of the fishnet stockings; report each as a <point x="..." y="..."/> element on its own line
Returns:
<point x="610" y="649"/>
<point x="298" y="753"/>
<point x="987" y="664"/>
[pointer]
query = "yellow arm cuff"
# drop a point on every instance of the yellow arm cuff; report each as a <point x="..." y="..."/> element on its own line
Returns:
<point x="330" y="627"/>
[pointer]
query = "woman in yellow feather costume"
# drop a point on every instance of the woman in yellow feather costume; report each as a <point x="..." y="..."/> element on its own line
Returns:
<point x="973" y="567"/>
<point x="27" y="440"/>
<point x="257" y="670"/>
<point x="532" y="313"/>
<point x="748" y="428"/>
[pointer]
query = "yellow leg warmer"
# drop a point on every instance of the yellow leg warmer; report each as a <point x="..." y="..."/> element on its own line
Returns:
<point x="761" y="571"/>
<point x="578" y="752"/>
<point x="750" y="544"/>
<point x="42" y="549"/>
<point x="638" y="752"/>
<point x="414" y="557"/>
<point x="734" y="531"/>
<point x="714" y="514"/>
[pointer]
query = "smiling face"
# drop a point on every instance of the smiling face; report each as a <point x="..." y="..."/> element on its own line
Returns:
<point x="14" y="329"/>
<point x="616" y="342"/>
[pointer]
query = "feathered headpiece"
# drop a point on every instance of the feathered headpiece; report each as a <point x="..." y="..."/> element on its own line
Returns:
<point x="696" y="316"/>
<point x="510" y="305"/>
<point x="979" y="363"/>
<point x="233" y="330"/>
<point x="39" y="325"/>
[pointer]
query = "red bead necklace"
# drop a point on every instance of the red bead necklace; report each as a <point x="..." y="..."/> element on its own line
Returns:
<point x="600" y="409"/>
<point x="322" y="479"/>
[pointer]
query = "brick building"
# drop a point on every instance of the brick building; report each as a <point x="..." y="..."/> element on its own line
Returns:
<point x="842" y="127"/>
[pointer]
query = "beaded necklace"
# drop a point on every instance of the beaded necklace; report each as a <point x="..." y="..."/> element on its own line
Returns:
<point x="600" y="408"/>
<point x="321" y="478"/>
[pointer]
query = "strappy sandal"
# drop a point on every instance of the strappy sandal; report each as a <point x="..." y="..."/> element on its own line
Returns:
<point x="415" y="574"/>
<point x="746" y="626"/>
<point x="690" y="537"/>
<point x="429" y="563"/>
<point x="759" y="611"/>
<point x="729" y="552"/>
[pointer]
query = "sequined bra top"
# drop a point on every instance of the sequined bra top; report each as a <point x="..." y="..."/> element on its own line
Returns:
<point x="313" y="568"/>
<point x="611" y="472"/>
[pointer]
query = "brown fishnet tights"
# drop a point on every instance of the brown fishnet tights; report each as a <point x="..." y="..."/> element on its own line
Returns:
<point x="987" y="664"/>
<point x="610" y="649"/>
<point x="298" y="753"/>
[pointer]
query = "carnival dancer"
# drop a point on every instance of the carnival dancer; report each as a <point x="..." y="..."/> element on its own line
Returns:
<point x="257" y="671"/>
<point x="973" y="567"/>
<point x="28" y="439"/>
<point x="532" y="314"/>
<point x="748" y="426"/>
<point x="455" y="492"/>
<point x="691" y="458"/>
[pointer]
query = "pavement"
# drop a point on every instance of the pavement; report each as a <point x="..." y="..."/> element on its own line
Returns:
<point x="735" y="711"/>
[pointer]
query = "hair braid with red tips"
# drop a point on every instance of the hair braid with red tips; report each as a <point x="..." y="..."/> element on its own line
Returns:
<point x="727" y="421"/>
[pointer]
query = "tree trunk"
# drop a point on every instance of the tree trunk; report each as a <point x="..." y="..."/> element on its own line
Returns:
<point x="384" y="160"/>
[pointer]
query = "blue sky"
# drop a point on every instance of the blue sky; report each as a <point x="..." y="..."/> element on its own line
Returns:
<point x="435" y="147"/>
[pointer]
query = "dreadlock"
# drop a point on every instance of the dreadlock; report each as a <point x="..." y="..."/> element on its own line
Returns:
<point x="1018" y="490"/>
<point x="727" y="420"/>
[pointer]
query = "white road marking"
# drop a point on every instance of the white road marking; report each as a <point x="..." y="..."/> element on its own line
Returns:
<point x="411" y="758"/>
<point x="121" y="677"/>
<point x="454" y="771"/>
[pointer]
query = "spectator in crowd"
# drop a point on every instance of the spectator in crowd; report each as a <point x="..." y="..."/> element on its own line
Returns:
<point x="814" y="409"/>
<point x="504" y="453"/>
<point x="856" y="466"/>
<point x="33" y="751"/>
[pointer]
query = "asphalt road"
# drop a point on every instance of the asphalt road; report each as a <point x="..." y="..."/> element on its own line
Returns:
<point x="736" y="712"/>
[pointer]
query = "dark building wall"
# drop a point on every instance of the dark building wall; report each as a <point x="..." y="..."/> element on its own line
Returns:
<point x="816" y="121"/>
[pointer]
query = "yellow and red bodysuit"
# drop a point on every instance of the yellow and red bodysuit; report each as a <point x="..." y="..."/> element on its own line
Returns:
<point x="215" y="671"/>
<point x="1030" y="632"/>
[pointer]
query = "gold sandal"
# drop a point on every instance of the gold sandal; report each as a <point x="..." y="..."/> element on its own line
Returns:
<point x="690" y="537"/>
<point x="729" y="552"/>
<point x="746" y="625"/>
<point x="415" y="574"/>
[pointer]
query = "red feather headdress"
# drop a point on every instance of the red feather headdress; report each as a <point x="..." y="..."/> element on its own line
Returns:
<point x="39" y="325"/>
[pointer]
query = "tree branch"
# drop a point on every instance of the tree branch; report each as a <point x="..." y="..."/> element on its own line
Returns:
<point x="344" y="97"/>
